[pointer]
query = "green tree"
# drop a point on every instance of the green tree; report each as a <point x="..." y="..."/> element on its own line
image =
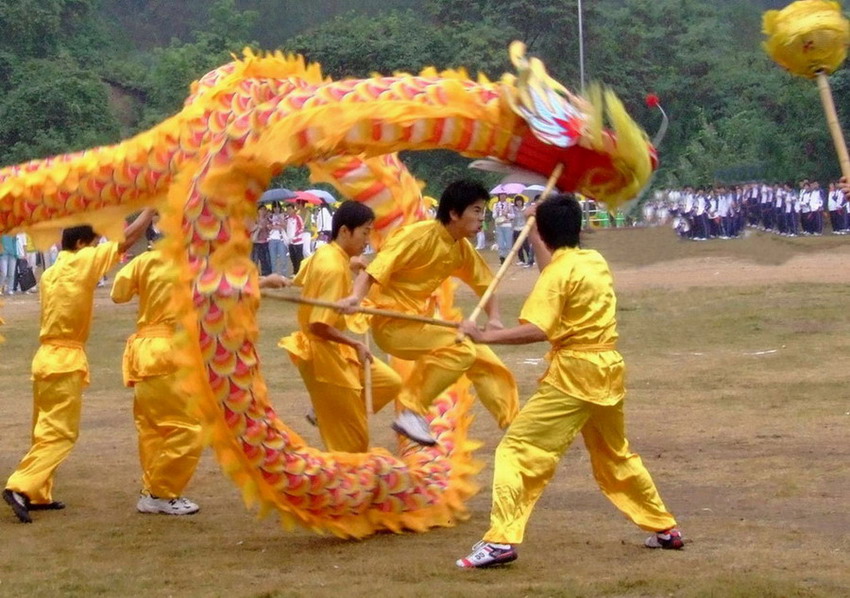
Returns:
<point x="53" y="107"/>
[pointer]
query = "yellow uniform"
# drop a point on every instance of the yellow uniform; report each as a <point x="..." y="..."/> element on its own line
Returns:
<point x="332" y="371"/>
<point x="408" y="269"/>
<point x="170" y="441"/>
<point x="60" y="369"/>
<point x="573" y="303"/>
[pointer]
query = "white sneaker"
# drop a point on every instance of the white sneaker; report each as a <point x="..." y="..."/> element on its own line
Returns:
<point x="487" y="554"/>
<point x="167" y="506"/>
<point x="415" y="427"/>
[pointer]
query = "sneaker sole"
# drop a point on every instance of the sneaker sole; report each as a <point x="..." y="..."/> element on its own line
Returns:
<point x="403" y="432"/>
<point x="496" y="563"/>
<point x="161" y="512"/>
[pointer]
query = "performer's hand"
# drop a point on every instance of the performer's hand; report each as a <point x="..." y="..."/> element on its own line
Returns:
<point x="357" y="263"/>
<point x="348" y="305"/>
<point x="494" y="324"/>
<point x="274" y="281"/>
<point x="531" y="210"/>
<point x="363" y="353"/>
<point x="471" y="329"/>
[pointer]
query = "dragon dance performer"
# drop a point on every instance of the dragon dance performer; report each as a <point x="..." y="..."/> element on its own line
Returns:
<point x="60" y="369"/>
<point x="330" y="362"/>
<point x="411" y="265"/>
<point x="572" y="306"/>
<point x="170" y="442"/>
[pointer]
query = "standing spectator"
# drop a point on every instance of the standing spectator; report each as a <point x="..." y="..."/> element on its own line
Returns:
<point x="518" y="224"/>
<point x="278" y="250"/>
<point x="8" y="261"/>
<point x="260" y="239"/>
<point x="834" y="204"/>
<point x="309" y="226"/>
<point x="816" y="202"/>
<point x="295" y="232"/>
<point x="324" y="225"/>
<point x="503" y="216"/>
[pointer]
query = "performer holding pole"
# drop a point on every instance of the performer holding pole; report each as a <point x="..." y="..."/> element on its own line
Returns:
<point x="572" y="306"/>
<point x="336" y="368"/>
<point x="411" y="265"/>
<point x="60" y="369"/>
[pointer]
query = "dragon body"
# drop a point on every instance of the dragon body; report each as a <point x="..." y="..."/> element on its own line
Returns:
<point x="205" y="168"/>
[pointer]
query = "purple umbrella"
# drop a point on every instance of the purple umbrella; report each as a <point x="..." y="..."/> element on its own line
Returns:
<point x="508" y="188"/>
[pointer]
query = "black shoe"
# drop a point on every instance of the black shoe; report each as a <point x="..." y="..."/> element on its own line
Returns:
<point x="50" y="506"/>
<point x="19" y="503"/>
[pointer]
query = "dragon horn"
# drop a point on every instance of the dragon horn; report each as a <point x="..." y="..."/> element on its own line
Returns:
<point x="653" y="102"/>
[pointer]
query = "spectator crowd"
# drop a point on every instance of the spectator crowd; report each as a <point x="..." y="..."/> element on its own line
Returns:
<point x="722" y="212"/>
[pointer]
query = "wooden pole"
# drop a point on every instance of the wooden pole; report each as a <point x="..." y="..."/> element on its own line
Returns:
<point x="834" y="125"/>
<point x="550" y="184"/>
<point x="367" y="379"/>
<point x="364" y="310"/>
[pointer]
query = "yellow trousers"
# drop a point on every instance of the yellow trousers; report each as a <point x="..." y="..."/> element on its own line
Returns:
<point x="528" y="454"/>
<point x="341" y="411"/>
<point x="57" y="403"/>
<point x="439" y="361"/>
<point x="170" y="442"/>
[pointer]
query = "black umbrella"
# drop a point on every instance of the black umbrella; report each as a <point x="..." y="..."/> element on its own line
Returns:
<point x="273" y="195"/>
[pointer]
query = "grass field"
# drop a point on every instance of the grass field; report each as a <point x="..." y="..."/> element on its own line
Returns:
<point x="738" y="381"/>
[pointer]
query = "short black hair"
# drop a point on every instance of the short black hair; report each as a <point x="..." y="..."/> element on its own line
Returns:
<point x="458" y="196"/>
<point x="72" y="236"/>
<point x="350" y="214"/>
<point x="559" y="221"/>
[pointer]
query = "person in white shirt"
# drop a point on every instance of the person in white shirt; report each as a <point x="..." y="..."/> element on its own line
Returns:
<point x="816" y="205"/>
<point x="766" y="205"/>
<point x="324" y="226"/>
<point x="295" y="235"/>
<point x="835" y="205"/>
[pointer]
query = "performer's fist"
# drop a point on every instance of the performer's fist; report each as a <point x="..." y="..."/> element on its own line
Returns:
<point x="274" y="281"/>
<point x="471" y="329"/>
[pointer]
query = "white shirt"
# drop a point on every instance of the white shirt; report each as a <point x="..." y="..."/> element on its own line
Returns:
<point x="324" y="220"/>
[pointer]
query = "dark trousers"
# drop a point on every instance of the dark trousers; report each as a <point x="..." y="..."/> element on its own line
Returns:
<point x="524" y="253"/>
<point x="296" y="254"/>
<point x="260" y="256"/>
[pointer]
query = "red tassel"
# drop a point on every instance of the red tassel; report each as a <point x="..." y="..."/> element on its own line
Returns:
<point x="652" y="101"/>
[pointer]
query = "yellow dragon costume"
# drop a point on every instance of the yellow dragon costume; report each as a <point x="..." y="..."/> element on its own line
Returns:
<point x="206" y="166"/>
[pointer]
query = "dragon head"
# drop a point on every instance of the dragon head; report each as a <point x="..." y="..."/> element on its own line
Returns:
<point x="562" y="127"/>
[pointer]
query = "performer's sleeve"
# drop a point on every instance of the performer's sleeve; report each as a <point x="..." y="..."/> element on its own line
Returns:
<point x="474" y="271"/>
<point x="105" y="257"/>
<point x="125" y="285"/>
<point x="545" y="304"/>
<point x="393" y="256"/>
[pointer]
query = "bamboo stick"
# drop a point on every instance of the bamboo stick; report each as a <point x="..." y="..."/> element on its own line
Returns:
<point x="365" y="310"/>
<point x="550" y="184"/>
<point x="367" y="379"/>
<point x="834" y="125"/>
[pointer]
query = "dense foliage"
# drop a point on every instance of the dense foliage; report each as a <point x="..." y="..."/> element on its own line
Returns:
<point x="77" y="73"/>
